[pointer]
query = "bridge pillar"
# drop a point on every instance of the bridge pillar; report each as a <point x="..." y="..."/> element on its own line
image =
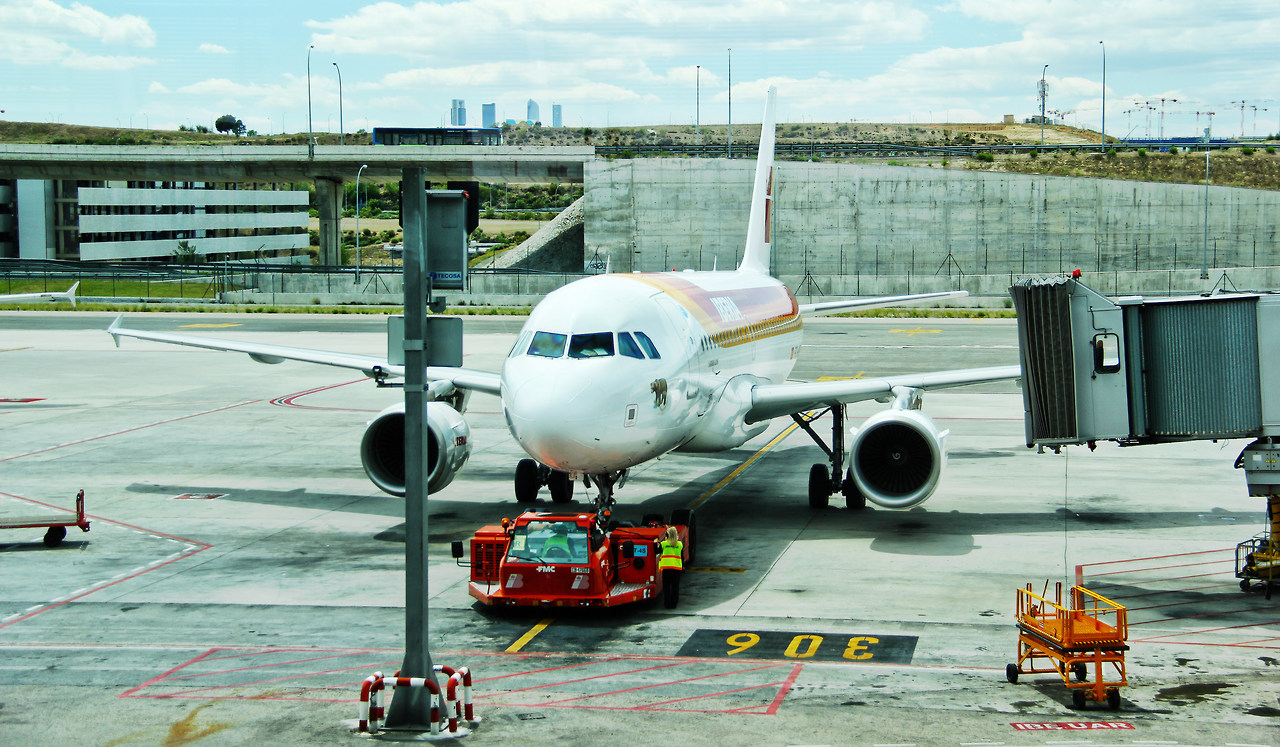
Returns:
<point x="328" y="204"/>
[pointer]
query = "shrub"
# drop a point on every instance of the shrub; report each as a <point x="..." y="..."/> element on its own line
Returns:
<point x="1173" y="149"/>
<point x="985" y="157"/>
<point x="1247" y="151"/>
<point x="1271" y="150"/>
<point x="1142" y="153"/>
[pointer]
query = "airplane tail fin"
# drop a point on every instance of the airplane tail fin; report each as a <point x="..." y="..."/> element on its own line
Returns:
<point x="755" y="258"/>
<point x="71" y="294"/>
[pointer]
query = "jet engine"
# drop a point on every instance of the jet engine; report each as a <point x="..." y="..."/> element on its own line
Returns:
<point x="896" y="458"/>
<point x="382" y="448"/>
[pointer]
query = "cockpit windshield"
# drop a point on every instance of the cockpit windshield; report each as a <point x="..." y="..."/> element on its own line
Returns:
<point x="549" y="542"/>
<point x="589" y="345"/>
<point x="593" y="345"/>
<point x="547" y="344"/>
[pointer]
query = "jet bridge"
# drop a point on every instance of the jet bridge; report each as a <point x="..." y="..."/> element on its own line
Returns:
<point x="1146" y="371"/>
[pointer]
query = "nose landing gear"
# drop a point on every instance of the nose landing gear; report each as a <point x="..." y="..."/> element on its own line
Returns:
<point x="531" y="476"/>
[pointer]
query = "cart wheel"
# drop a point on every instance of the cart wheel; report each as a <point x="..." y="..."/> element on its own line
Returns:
<point x="1244" y="584"/>
<point x="1113" y="699"/>
<point x="1011" y="673"/>
<point x="1080" y="671"/>
<point x="1077" y="699"/>
<point x="54" y="536"/>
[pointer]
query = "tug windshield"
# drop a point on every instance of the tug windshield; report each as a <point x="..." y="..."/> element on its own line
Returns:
<point x="549" y="542"/>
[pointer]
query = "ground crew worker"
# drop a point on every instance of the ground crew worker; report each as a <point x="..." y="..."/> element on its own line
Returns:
<point x="671" y="564"/>
<point x="559" y="539"/>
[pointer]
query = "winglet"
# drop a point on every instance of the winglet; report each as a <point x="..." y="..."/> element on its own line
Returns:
<point x="755" y="258"/>
<point x="112" y="329"/>
<point x="71" y="294"/>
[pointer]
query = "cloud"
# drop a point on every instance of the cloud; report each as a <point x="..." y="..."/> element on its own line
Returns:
<point x="157" y="87"/>
<point x="213" y="49"/>
<point x="41" y="32"/>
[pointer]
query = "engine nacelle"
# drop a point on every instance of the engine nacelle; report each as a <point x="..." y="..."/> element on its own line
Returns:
<point x="448" y="446"/>
<point x="897" y="457"/>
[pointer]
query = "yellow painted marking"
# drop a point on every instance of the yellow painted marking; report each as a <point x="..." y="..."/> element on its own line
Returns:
<point x="840" y="378"/>
<point x="716" y="570"/>
<point x="734" y="474"/>
<point x="917" y="331"/>
<point x="14" y="350"/>
<point x="533" y="632"/>
<point x="210" y="325"/>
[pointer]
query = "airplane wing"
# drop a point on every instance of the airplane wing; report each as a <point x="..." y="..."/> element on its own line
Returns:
<point x="774" y="400"/>
<point x="371" y="365"/>
<point x="66" y="295"/>
<point x="831" y="307"/>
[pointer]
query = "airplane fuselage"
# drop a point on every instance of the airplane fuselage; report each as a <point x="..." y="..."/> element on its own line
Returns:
<point x="614" y="370"/>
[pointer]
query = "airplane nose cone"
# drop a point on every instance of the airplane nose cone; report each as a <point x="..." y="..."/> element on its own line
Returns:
<point x="569" y="422"/>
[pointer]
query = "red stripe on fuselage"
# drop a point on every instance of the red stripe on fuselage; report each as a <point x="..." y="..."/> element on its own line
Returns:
<point x="728" y="309"/>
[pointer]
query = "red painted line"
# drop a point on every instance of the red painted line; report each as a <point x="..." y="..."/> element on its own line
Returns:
<point x="195" y="690"/>
<point x="1183" y="590"/>
<point x="128" y="430"/>
<point x="1151" y="607"/>
<point x="1159" y="568"/>
<point x="291" y="400"/>
<point x="263" y="666"/>
<point x="1156" y="557"/>
<point x="128" y="693"/>
<point x="1193" y="617"/>
<point x="1215" y="630"/>
<point x="585" y="679"/>
<point x="548" y="669"/>
<point x="786" y="688"/>
<point x="659" y="684"/>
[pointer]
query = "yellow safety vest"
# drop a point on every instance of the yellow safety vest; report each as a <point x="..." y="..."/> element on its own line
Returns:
<point x="671" y="556"/>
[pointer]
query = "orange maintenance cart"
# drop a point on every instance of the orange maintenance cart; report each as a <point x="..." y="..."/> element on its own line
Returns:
<point x="1085" y="640"/>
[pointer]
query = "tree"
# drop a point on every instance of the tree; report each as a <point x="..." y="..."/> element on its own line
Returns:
<point x="228" y="123"/>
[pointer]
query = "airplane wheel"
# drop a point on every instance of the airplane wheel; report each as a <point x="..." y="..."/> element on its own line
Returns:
<point x="561" y="487"/>
<point x="853" y="498"/>
<point x="819" y="486"/>
<point x="685" y="517"/>
<point x="527" y="482"/>
<point x="54" y="536"/>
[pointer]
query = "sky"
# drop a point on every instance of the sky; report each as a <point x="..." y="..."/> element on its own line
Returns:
<point x="155" y="64"/>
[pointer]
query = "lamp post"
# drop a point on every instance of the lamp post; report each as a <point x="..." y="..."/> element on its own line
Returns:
<point x="341" y="131"/>
<point x="311" y="147"/>
<point x="358" y="172"/>
<point x="1104" y="95"/>
<point x="1043" y="94"/>
<point x="1204" y="256"/>
<point x="730" y="128"/>
<point x="697" y="107"/>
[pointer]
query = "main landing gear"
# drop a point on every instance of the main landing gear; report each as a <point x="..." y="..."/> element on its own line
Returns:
<point x="825" y="481"/>
<point x="531" y="476"/>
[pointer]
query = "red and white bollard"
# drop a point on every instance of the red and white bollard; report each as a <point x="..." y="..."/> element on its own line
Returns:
<point x="372" y="711"/>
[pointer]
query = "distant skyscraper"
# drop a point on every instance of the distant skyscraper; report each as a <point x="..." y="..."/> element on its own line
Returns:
<point x="555" y="115"/>
<point x="532" y="112"/>
<point x="489" y="115"/>
<point x="458" y="113"/>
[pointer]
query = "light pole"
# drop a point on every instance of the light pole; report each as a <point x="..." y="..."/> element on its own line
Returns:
<point x="730" y="102"/>
<point x="341" y="136"/>
<point x="1043" y="94"/>
<point x="1204" y="257"/>
<point x="358" y="172"/>
<point x="1104" y="95"/>
<point x="311" y="146"/>
<point x="697" y="107"/>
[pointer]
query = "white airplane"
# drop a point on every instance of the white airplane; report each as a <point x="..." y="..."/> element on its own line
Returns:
<point x="614" y="370"/>
<point x="66" y="295"/>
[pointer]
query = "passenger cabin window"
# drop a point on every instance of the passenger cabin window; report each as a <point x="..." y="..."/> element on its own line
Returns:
<point x="627" y="346"/>
<point x="549" y="542"/>
<point x="648" y="346"/>
<point x="593" y="345"/>
<point x="547" y="344"/>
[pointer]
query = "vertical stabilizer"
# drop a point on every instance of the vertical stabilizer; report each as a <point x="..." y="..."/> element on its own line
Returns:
<point x="756" y="256"/>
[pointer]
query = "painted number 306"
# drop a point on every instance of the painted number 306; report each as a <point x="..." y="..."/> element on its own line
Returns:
<point x="804" y="646"/>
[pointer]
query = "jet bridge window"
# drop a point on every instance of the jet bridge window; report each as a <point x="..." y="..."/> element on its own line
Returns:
<point x="1106" y="353"/>
<point x="627" y="346"/>
<point x="648" y="346"/>
<point x="592" y="345"/>
<point x="547" y="344"/>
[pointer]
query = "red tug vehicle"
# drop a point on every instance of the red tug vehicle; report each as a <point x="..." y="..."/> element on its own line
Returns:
<point x="571" y="560"/>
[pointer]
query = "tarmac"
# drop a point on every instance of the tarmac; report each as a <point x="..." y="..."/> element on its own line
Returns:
<point x="241" y="576"/>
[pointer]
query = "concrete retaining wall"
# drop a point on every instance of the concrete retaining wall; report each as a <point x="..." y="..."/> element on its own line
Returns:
<point x="853" y="219"/>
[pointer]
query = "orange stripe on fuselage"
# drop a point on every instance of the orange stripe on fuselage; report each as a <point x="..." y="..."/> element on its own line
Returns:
<point x="762" y="311"/>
